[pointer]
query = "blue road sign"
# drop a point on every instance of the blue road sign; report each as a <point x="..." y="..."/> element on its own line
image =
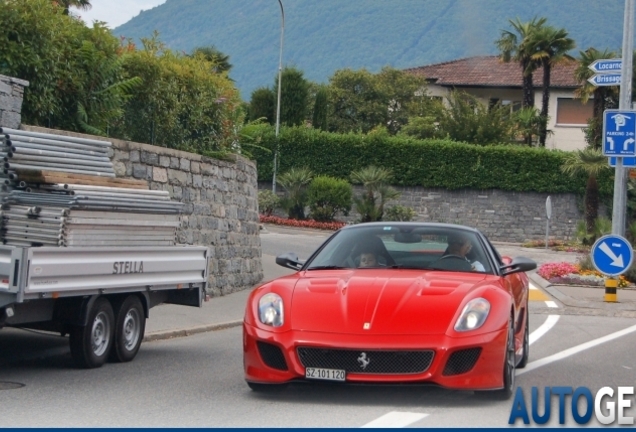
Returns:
<point x="619" y="133"/>
<point x="628" y="162"/>
<point x="607" y="65"/>
<point x="612" y="255"/>
<point x="608" y="79"/>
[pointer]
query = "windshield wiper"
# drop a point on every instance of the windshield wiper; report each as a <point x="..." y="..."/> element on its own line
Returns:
<point x="327" y="267"/>
<point x="403" y="267"/>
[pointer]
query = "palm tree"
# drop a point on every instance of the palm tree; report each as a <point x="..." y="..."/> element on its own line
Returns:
<point x="552" y="46"/>
<point x="220" y="61"/>
<point x="79" y="4"/>
<point x="601" y="95"/>
<point x="295" y="183"/>
<point x="375" y="182"/>
<point x="517" y="46"/>
<point x="528" y="123"/>
<point x="590" y="162"/>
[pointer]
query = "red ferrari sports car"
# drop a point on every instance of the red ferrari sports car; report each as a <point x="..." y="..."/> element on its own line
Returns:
<point x="395" y="302"/>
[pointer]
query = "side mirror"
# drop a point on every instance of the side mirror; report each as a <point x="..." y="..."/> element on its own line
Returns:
<point x="289" y="260"/>
<point x="518" y="264"/>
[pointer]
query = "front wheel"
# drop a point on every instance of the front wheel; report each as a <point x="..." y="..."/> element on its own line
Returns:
<point x="508" y="369"/>
<point x="130" y="326"/>
<point x="90" y="344"/>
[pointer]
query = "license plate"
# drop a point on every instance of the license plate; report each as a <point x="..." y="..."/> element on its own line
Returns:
<point x="325" y="374"/>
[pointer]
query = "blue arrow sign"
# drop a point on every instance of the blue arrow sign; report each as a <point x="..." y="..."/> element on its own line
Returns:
<point x="628" y="162"/>
<point x="612" y="255"/>
<point x="608" y="79"/>
<point x="607" y="65"/>
<point x="619" y="133"/>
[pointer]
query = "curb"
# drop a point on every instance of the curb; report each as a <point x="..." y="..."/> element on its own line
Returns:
<point x="169" y="334"/>
<point x="583" y="304"/>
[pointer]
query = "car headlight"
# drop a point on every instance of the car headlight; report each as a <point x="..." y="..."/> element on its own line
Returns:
<point x="474" y="315"/>
<point x="270" y="310"/>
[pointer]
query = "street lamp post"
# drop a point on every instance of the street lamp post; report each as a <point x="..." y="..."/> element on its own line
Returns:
<point x="280" y="73"/>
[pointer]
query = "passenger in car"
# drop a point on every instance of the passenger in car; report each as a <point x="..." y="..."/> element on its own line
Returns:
<point x="367" y="259"/>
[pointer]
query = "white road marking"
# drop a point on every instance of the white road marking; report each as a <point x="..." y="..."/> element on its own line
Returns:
<point x="544" y="328"/>
<point x="575" y="350"/>
<point x="532" y="287"/>
<point x="551" y="304"/>
<point x="395" y="419"/>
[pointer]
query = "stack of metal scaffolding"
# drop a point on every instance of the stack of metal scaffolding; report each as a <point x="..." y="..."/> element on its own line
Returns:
<point x="37" y="213"/>
<point x="63" y="218"/>
<point x="24" y="150"/>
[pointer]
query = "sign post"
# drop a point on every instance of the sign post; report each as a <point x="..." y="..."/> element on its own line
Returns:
<point x="612" y="255"/>
<point x="548" y="212"/>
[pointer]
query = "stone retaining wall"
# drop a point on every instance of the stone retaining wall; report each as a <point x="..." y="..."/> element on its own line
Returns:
<point x="11" y="94"/>
<point x="501" y="215"/>
<point x="221" y="204"/>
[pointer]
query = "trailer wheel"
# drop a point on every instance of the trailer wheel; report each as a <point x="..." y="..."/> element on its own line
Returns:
<point x="130" y="326"/>
<point x="91" y="344"/>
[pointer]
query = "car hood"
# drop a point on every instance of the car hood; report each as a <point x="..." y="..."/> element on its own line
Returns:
<point x="374" y="302"/>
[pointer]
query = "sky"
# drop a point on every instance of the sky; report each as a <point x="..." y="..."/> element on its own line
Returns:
<point x="115" y="12"/>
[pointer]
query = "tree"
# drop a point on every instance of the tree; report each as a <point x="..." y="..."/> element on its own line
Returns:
<point x="375" y="182"/>
<point x="467" y="119"/>
<point x="516" y="45"/>
<point x="603" y="97"/>
<point x="591" y="162"/>
<point x="79" y="4"/>
<point x="528" y="123"/>
<point x="551" y="46"/>
<point x="263" y="105"/>
<point x="220" y="61"/>
<point x="294" y="97"/>
<point x="321" y="109"/>
<point x="295" y="182"/>
<point x="359" y="101"/>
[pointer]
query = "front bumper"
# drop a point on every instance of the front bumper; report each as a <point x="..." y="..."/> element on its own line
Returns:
<point x="486" y="374"/>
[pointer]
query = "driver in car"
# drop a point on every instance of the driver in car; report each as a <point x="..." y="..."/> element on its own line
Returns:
<point x="460" y="246"/>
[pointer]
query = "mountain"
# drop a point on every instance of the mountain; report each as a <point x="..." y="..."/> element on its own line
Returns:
<point x="322" y="36"/>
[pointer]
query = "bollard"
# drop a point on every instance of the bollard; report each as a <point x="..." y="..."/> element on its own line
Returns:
<point x="610" y="289"/>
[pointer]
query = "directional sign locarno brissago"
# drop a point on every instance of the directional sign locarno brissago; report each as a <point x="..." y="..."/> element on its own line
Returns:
<point x="607" y="66"/>
<point x="612" y="255"/>
<point x="609" y="79"/>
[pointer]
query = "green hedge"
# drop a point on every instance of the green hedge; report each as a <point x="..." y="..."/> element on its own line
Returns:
<point x="428" y="163"/>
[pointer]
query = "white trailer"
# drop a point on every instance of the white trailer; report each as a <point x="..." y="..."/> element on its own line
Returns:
<point x="99" y="296"/>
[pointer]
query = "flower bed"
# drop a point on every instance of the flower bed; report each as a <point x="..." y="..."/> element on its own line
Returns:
<point x="307" y="223"/>
<point x="557" y="245"/>
<point x="571" y="274"/>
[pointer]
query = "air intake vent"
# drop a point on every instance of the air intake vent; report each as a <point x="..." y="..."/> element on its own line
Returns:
<point x="461" y="361"/>
<point x="272" y="355"/>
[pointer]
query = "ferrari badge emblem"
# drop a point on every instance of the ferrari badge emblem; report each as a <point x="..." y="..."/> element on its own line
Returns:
<point x="366" y="326"/>
<point x="363" y="360"/>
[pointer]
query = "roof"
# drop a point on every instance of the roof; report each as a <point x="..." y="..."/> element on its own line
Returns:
<point x="491" y="71"/>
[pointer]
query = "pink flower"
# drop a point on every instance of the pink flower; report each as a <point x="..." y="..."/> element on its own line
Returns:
<point x="551" y="270"/>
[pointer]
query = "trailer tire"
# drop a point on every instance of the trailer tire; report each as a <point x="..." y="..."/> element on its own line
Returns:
<point x="130" y="325"/>
<point x="91" y="344"/>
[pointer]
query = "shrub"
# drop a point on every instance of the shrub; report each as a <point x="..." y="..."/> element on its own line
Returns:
<point x="295" y="183"/>
<point x="427" y="163"/>
<point x="399" y="213"/>
<point x="551" y="270"/>
<point x="267" y="202"/>
<point x="302" y="223"/>
<point x="327" y="196"/>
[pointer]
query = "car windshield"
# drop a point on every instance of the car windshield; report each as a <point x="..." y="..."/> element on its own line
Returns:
<point x="397" y="246"/>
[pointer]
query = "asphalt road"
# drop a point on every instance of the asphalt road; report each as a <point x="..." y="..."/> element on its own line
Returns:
<point x="198" y="380"/>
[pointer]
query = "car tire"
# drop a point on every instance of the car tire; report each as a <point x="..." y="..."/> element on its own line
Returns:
<point x="508" y="369"/>
<point x="266" y="388"/>
<point x="130" y="326"/>
<point x="526" y="342"/>
<point x="91" y="344"/>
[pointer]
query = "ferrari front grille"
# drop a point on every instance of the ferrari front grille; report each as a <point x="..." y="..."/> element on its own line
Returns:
<point x="272" y="355"/>
<point x="366" y="361"/>
<point x="461" y="361"/>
